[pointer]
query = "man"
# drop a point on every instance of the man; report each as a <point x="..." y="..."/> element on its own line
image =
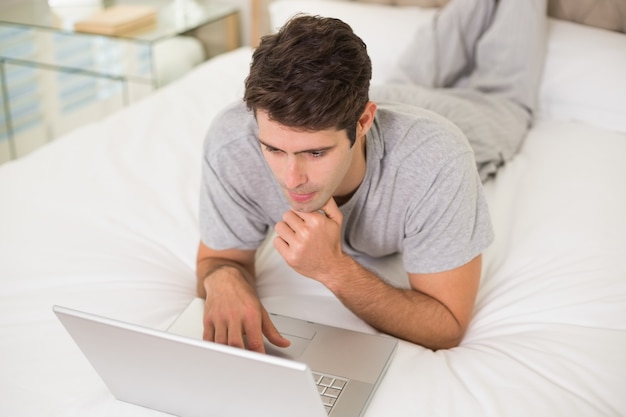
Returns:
<point x="334" y="175"/>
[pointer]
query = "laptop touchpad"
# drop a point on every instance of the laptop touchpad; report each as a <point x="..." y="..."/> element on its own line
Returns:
<point x="294" y="351"/>
<point x="299" y="332"/>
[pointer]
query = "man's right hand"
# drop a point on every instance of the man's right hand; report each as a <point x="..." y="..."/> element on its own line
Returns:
<point x="233" y="311"/>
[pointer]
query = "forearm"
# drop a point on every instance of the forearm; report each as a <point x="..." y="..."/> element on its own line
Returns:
<point x="434" y="313"/>
<point x="405" y="313"/>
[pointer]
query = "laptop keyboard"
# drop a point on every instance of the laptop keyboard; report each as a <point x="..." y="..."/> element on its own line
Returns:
<point x="330" y="388"/>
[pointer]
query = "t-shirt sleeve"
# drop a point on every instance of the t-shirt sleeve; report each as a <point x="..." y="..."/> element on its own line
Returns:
<point x="449" y="225"/>
<point x="227" y="217"/>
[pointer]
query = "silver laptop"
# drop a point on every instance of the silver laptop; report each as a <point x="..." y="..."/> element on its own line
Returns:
<point x="325" y="371"/>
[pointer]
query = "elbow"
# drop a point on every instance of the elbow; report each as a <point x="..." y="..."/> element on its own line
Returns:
<point x="447" y="343"/>
<point x="447" y="338"/>
<point x="450" y="332"/>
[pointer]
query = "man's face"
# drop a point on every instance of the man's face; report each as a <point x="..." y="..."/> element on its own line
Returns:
<point x="311" y="167"/>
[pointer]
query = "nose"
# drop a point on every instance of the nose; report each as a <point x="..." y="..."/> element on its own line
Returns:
<point x="295" y="175"/>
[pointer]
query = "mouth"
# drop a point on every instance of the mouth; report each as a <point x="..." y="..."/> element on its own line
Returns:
<point x="301" y="198"/>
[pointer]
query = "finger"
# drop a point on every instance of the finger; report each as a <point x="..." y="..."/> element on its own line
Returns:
<point x="209" y="332"/>
<point x="283" y="230"/>
<point x="220" y="334"/>
<point x="255" y="342"/>
<point x="271" y="332"/>
<point x="331" y="210"/>
<point x="293" y="219"/>
<point x="235" y="338"/>
<point x="254" y="337"/>
<point x="280" y="245"/>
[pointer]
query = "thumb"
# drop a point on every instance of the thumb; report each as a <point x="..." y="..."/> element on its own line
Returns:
<point x="331" y="210"/>
<point x="271" y="332"/>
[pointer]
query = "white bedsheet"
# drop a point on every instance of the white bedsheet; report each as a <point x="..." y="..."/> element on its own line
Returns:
<point x="105" y="220"/>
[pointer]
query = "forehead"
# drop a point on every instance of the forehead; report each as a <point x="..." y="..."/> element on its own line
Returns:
<point x="288" y="138"/>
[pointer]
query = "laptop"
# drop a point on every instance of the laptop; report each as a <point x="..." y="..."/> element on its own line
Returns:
<point x="326" y="371"/>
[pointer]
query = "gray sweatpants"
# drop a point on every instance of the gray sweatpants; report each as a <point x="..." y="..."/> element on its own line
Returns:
<point x="479" y="64"/>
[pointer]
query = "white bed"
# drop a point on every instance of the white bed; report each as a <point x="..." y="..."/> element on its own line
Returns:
<point x="105" y="220"/>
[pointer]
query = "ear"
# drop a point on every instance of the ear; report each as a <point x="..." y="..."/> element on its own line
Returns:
<point x="366" y="120"/>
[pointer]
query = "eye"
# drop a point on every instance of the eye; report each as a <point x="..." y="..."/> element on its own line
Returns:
<point x="317" y="154"/>
<point x="270" y="149"/>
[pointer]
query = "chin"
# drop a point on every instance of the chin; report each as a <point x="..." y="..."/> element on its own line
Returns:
<point x="306" y="207"/>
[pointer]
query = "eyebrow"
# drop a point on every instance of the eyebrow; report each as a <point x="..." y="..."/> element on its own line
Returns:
<point x="324" y="149"/>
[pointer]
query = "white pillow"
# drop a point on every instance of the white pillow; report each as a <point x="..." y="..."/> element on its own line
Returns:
<point x="585" y="76"/>
<point x="386" y="30"/>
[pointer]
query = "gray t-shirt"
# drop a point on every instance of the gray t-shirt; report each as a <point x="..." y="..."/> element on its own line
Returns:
<point x="421" y="195"/>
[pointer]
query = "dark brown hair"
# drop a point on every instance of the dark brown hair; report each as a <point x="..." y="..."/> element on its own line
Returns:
<point x="314" y="74"/>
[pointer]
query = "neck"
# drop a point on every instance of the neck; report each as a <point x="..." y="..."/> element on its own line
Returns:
<point x="355" y="175"/>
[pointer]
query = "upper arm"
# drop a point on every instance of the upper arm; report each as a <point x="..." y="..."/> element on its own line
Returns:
<point x="455" y="289"/>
